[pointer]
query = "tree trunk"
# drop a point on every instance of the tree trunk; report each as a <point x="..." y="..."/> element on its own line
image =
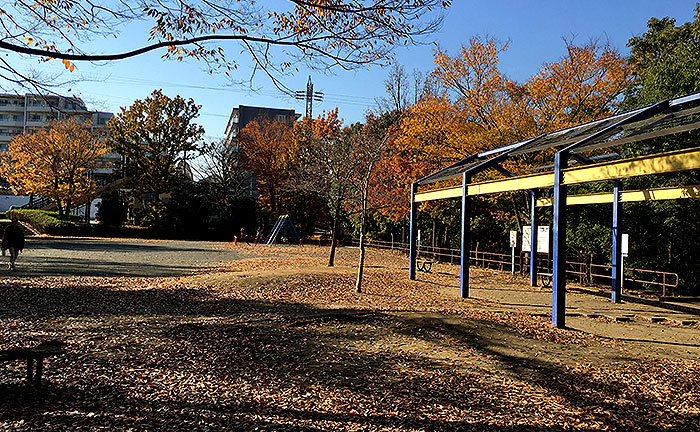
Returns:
<point x="517" y="214"/>
<point x="334" y="237"/>
<point x="360" y="268"/>
<point x="363" y="217"/>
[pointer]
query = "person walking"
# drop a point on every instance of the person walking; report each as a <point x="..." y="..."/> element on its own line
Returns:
<point x="13" y="241"/>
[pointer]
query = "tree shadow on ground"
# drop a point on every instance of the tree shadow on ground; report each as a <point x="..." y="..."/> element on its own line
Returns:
<point x="70" y="244"/>
<point x="180" y="359"/>
<point x="609" y="402"/>
<point x="33" y="267"/>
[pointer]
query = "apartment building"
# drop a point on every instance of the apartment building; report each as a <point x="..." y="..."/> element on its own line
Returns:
<point x="26" y="113"/>
<point x="242" y="115"/>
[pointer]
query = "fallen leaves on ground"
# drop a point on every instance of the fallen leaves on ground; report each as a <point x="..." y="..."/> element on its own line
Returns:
<point x="258" y="344"/>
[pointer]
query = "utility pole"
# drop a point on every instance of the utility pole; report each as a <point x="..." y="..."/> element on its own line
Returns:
<point x="310" y="96"/>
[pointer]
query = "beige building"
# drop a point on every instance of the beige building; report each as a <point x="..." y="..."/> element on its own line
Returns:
<point x="25" y="113"/>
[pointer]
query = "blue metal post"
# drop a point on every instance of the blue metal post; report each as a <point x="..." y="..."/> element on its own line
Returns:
<point x="412" y="234"/>
<point x="559" y="240"/>
<point x="533" y="238"/>
<point x="616" y="243"/>
<point x="464" y="256"/>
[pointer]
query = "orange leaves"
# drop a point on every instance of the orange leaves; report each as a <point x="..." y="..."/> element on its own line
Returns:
<point x="478" y="108"/>
<point x="582" y="86"/>
<point x="54" y="162"/>
<point x="267" y="151"/>
<point x="68" y="65"/>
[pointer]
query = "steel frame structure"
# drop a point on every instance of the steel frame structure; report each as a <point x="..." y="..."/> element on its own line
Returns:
<point x="572" y="146"/>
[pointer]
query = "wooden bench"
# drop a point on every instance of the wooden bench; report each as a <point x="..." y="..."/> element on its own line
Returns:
<point x="36" y="354"/>
<point x="545" y="279"/>
<point x="424" y="265"/>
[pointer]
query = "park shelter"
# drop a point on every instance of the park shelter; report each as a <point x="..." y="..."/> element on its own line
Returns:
<point x="586" y="153"/>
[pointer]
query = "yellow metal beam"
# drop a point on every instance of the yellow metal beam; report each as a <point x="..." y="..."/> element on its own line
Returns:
<point x="657" y="194"/>
<point x="534" y="181"/>
<point x="454" y="192"/>
<point x="680" y="160"/>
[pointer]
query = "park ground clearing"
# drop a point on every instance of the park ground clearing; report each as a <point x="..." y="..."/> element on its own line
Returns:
<point x="212" y="336"/>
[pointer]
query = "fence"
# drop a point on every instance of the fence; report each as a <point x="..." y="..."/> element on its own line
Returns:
<point x="584" y="272"/>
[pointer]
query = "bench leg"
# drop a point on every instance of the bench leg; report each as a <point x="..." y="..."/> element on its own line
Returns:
<point x="39" y="370"/>
<point x="30" y="371"/>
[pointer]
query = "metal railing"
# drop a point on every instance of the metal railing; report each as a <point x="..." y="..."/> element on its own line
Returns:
<point x="658" y="278"/>
<point x="584" y="272"/>
<point x="37" y="203"/>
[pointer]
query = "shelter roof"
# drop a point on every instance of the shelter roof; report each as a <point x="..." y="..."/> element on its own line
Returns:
<point x="663" y="118"/>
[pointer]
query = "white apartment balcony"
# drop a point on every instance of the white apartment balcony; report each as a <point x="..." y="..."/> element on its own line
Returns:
<point x="12" y="123"/>
<point x="12" y="108"/>
<point x="40" y="109"/>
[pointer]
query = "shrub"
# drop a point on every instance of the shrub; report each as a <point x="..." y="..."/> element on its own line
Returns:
<point x="112" y="210"/>
<point x="47" y="222"/>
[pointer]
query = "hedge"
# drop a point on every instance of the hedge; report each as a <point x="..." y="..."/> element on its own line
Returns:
<point x="47" y="222"/>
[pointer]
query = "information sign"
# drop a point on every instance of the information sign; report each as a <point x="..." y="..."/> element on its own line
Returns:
<point x="542" y="239"/>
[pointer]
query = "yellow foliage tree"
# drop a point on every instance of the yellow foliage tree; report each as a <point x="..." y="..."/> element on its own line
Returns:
<point x="471" y="106"/>
<point x="55" y="163"/>
<point x="474" y="107"/>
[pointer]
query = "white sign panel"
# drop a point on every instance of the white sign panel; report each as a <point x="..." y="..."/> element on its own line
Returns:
<point x="542" y="239"/>
<point x="513" y="239"/>
<point x="625" y="244"/>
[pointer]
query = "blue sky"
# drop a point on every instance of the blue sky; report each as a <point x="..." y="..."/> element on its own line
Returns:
<point x="534" y="28"/>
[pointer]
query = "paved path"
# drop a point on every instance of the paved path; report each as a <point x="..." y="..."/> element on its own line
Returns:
<point x="52" y="256"/>
<point x="658" y="326"/>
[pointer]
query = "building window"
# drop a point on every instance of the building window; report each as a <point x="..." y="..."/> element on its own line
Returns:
<point x="281" y="118"/>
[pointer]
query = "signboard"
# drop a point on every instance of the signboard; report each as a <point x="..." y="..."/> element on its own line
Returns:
<point x="625" y="244"/>
<point x="542" y="239"/>
<point x="513" y="239"/>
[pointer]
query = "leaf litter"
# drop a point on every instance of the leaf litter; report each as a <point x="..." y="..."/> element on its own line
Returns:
<point x="281" y="342"/>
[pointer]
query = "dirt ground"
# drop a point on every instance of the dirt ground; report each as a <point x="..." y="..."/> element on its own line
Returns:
<point x="273" y="339"/>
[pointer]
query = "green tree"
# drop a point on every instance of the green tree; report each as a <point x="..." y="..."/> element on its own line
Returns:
<point x="157" y="136"/>
<point x="663" y="234"/>
<point x="112" y="210"/>
<point x="666" y="59"/>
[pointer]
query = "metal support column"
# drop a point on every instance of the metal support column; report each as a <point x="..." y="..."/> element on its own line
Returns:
<point x="465" y="244"/>
<point x="559" y="240"/>
<point x="533" y="238"/>
<point x="616" y="242"/>
<point x="412" y="234"/>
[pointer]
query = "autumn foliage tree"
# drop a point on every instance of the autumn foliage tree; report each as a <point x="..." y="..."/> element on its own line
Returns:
<point x="481" y="108"/>
<point x="157" y="136"/>
<point x="472" y="106"/>
<point x="326" y="161"/>
<point x="267" y="150"/>
<point x="55" y="163"/>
